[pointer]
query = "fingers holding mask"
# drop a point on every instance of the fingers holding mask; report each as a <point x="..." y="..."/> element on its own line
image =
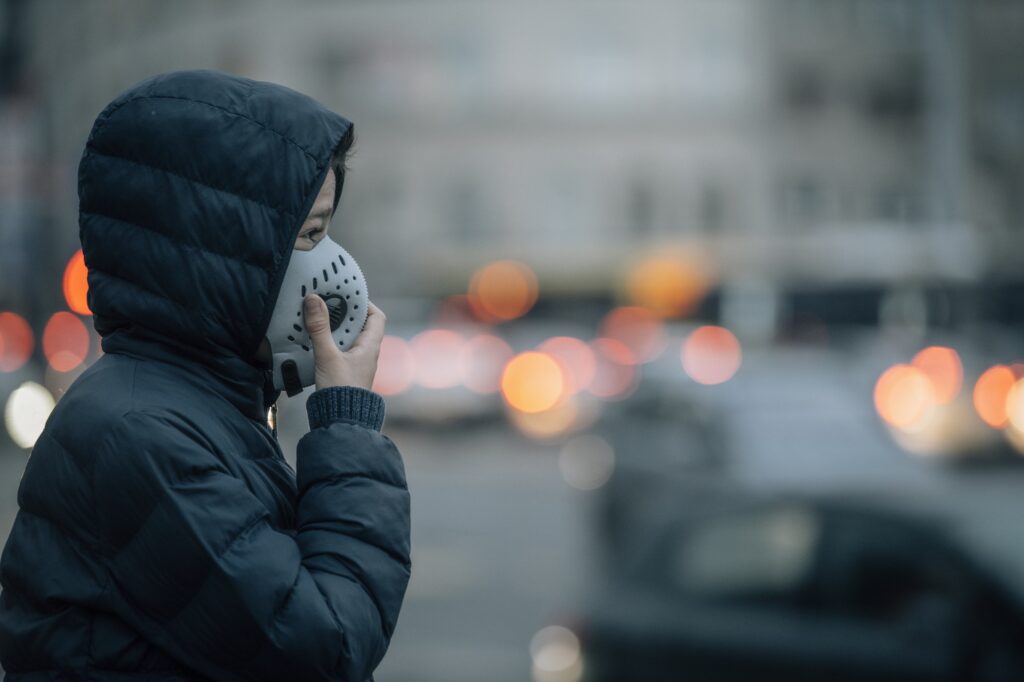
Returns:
<point x="373" y="330"/>
<point x="318" y="323"/>
<point x="334" y="367"/>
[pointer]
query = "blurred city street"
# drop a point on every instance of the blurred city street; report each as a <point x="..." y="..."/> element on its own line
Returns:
<point x="704" y="317"/>
<point x="500" y="550"/>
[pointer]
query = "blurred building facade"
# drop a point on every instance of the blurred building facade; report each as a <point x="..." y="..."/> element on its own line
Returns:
<point x="787" y="142"/>
<point x="817" y="156"/>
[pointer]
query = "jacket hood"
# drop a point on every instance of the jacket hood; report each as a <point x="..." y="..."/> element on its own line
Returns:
<point x="192" y="188"/>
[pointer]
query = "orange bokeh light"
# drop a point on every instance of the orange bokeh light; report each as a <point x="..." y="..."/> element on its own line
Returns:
<point x="1015" y="411"/>
<point x="711" y="355"/>
<point x="65" y="341"/>
<point x="481" y="361"/>
<point x="943" y="367"/>
<point x="15" y="342"/>
<point x="903" y="396"/>
<point x="532" y="382"/>
<point x="395" y="366"/>
<point x="435" y="356"/>
<point x="76" y="284"/>
<point x="616" y="375"/>
<point x="639" y="329"/>
<point x="576" y="358"/>
<point x="990" y="394"/>
<point x="669" y="286"/>
<point x="503" y="290"/>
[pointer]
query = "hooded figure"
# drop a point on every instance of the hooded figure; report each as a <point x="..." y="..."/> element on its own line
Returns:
<point x="161" y="533"/>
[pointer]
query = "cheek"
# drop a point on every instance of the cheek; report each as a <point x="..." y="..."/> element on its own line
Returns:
<point x="303" y="245"/>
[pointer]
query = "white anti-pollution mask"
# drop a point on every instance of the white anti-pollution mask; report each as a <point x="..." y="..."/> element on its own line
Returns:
<point x="327" y="270"/>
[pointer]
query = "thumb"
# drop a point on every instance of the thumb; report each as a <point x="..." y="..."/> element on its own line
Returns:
<point x="318" y="323"/>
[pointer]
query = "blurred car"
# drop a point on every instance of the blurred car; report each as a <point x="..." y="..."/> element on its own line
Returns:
<point x="801" y="588"/>
<point x="771" y="528"/>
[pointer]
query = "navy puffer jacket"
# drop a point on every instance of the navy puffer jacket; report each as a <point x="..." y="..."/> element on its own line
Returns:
<point x="161" y="534"/>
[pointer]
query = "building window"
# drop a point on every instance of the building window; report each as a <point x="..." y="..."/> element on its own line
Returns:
<point x="895" y="95"/>
<point x="640" y="207"/>
<point x="463" y="211"/>
<point x="712" y="208"/>
<point x="897" y="204"/>
<point x="802" y="202"/>
<point x="803" y="90"/>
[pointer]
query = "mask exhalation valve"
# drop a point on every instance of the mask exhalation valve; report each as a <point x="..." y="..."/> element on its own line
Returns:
<point x="336" y="309"/>
<point x="330" y="272"/>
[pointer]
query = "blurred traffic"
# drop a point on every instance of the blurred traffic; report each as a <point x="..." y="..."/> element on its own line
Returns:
<point x="704" y="323"/>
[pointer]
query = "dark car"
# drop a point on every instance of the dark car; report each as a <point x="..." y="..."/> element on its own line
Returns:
<point x="801" y="589"/>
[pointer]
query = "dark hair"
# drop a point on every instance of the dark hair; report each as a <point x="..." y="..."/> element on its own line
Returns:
<point x="338" y="159"/>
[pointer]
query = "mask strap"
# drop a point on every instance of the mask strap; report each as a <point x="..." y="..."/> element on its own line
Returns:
<point x="290" y="378"/>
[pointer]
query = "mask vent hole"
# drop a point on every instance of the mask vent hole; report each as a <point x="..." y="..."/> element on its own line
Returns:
<point x="341" y="259"/>
<point x="326" y="279"/>
<point x="334" y="266"/>
<point x="296" y="327"/>
<point x="303" y="291"/>
<point x="291" y="338"/>
<point x="314" y="282"/>
<point x="337" y="309"/>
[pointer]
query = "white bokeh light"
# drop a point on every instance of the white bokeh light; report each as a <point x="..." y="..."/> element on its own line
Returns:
<point x="555" y="651"/>
<point x="28" y="408"/>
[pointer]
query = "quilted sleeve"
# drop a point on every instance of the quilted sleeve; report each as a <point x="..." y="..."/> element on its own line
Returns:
<point x="197" y="567"/>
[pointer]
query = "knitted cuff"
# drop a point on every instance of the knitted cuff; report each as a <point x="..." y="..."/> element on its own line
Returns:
<point x="331" y="404"/>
